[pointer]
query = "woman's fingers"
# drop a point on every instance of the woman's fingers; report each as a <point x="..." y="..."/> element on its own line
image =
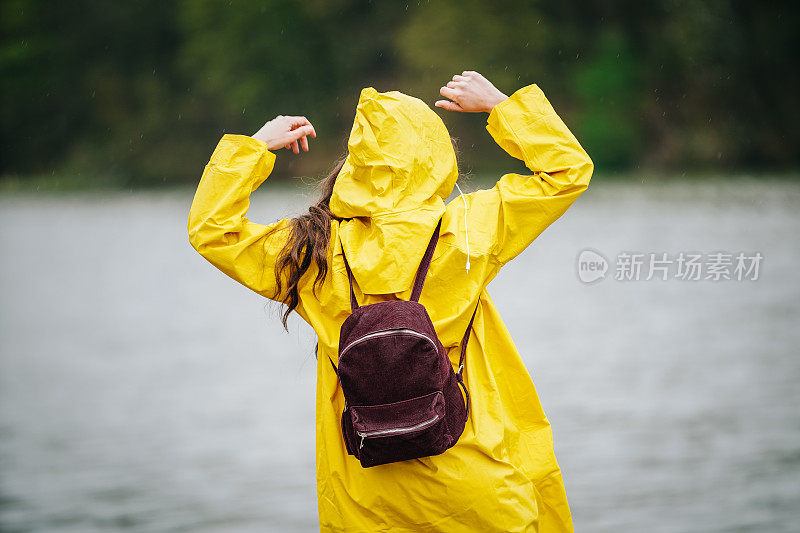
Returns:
<point x="285" y="131"/>
<point x="471" y="92"/>
<point x="296" y="133"/>
<point x="448" y="92"/>
<point x="297" y="122"/>
<point x="307" y="127"/>
<point x="297" y="138"/>
<point x="299" y="130"/>
<point x="447" y="104"/>
<point x="303" y="131"/>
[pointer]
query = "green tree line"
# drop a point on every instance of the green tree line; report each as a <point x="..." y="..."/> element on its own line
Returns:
<point x="138" y="93"/>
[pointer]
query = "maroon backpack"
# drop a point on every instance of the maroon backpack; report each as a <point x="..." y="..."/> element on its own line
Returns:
<point x="402" y="397"/>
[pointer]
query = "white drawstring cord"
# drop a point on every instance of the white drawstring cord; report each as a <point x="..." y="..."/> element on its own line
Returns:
<point x="466" y="230"/>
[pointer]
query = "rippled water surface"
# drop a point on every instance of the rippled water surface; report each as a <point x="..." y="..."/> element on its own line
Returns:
<point x="142" y="390"/>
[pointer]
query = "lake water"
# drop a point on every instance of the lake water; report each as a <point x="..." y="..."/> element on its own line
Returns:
<point x="142" y="390"/>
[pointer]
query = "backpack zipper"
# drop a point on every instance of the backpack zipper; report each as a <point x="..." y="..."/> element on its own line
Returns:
<point x="392" y="431"/>
<point x="404" y="331"/>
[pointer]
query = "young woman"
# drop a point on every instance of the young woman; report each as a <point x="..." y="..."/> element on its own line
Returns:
<point x="381" y="205"/>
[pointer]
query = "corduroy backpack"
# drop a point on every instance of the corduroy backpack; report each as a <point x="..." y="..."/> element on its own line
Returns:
<point x="402" y="397"/>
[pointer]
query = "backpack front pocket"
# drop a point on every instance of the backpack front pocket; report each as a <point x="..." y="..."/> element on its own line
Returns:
<point x="400" y="431"/>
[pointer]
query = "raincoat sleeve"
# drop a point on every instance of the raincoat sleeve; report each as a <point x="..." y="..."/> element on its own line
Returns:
<point x="519" y="207"/>
<point x="218" y="227"/>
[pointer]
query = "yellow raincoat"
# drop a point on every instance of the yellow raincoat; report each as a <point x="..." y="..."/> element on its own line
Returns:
<point x="502" y="475"/>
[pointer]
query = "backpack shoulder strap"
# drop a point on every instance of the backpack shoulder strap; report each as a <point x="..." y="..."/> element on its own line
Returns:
<point x="353" y="301"/>
<point x="460" y="371"/>
<point x="422" y="271"/>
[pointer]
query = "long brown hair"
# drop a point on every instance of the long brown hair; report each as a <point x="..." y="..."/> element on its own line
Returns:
<point x="308" y="241"/>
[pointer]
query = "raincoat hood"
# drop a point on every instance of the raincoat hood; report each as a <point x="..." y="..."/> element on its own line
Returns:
<point x="391" y="190"/>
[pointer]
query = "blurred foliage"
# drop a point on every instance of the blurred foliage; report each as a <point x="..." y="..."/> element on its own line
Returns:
<point x="140" y="92"/>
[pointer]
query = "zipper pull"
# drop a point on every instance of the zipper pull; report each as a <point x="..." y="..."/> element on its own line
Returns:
<point x="362" y="442"/>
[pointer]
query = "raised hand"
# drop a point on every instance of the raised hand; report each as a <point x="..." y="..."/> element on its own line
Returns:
<point x="471" y="93"/>
<point x="286" y="132"/>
